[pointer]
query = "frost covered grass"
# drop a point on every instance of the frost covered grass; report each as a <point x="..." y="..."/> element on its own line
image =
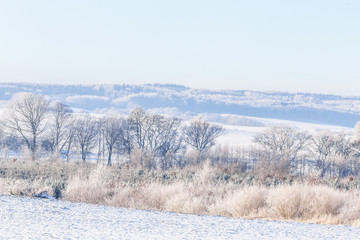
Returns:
<point x="204" y="190"/>
<point x="23" y="177"/>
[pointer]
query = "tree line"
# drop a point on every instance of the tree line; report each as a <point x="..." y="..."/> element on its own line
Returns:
<point x="155" y="141"/>
<point x="286" y="151"/>
<point x="151" y="140"/>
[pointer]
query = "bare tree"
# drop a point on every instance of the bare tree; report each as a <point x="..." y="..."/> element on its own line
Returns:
<point x="163" y="138"/>
<point x="3" y="147"/>
<point x="173" y="144"/>
<point x="343" y="161"/>
<point x="100" y="128"/>
<point x="125" y="145"/>
<point x="27" y="116"/>
<point x="113" y="133"/>
<point x="156" y="136"/>
<point x="69" y="137"/>
<point x="85" y="134"/>
<point x="283" y="143"/>
<point x="137" y="121"/>
<point x="323" y="145"/>
<point x="200" y="134"/>
<point x="60" y="116"/>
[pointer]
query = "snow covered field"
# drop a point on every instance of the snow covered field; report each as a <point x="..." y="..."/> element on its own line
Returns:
<point x="32" y="218"/>
<point x="237" y="134"/>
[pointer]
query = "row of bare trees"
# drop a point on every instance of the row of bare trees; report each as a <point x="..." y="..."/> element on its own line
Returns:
<point x="155" y="141"/>
<point x="152" y="140"/>
<point x="284" y="151"/>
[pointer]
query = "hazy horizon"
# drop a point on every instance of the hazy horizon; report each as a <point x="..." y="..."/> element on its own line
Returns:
<point x="282" y="46"/>
<point x="182" y="85"/>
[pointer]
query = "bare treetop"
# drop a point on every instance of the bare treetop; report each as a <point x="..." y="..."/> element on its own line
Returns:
<point x="201" y="134"/>
<point x="27" y="116"/>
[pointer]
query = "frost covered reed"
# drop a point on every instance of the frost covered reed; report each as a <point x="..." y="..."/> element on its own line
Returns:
<point x="201" y="189"/>
<point x="202" y="195"/>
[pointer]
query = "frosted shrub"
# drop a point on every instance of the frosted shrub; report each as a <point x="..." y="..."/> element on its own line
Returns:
<point x="320" y="200"/>
<point x="350" y="212"/>
<point x="141" y="158"/>
<point x="93" y="188"/>
<point x="247" y="201"/>
<point x="187" y="199"/>
<point x="306" y="202"/>
<point x="285" y="201"/>
<point x="205" y="174"/>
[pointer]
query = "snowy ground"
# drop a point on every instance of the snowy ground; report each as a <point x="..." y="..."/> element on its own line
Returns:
<point x="30" y="218"/>
<point x="237" y="134"/>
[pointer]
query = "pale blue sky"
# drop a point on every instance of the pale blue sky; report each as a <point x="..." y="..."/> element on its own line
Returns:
<point x="303" y="45"/>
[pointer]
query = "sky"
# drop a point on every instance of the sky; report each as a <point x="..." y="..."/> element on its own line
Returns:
<point x="279" y="45"/>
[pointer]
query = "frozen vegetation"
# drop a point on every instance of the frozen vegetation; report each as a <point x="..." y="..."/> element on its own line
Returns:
<point x="197" y="189"/>
<point x="91" y="144"/>
<point x="31" y="218"/>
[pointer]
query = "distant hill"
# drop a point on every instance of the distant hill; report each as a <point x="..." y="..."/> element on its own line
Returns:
<point x="177" y="99"/>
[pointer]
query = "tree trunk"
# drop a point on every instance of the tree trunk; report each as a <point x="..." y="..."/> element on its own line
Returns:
<point x="109" y="158"/>
<point x="83" y="154"/>
<point x="33" y="148"/>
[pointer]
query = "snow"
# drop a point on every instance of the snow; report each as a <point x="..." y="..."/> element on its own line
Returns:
<point x="34" y="218"/>
<point x="237" y="135"/>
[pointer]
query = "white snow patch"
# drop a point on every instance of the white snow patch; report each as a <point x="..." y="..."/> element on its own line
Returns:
<point x="240" y="133"/>
<point x="32" y="218"/>
<point x="85" y="98"/>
